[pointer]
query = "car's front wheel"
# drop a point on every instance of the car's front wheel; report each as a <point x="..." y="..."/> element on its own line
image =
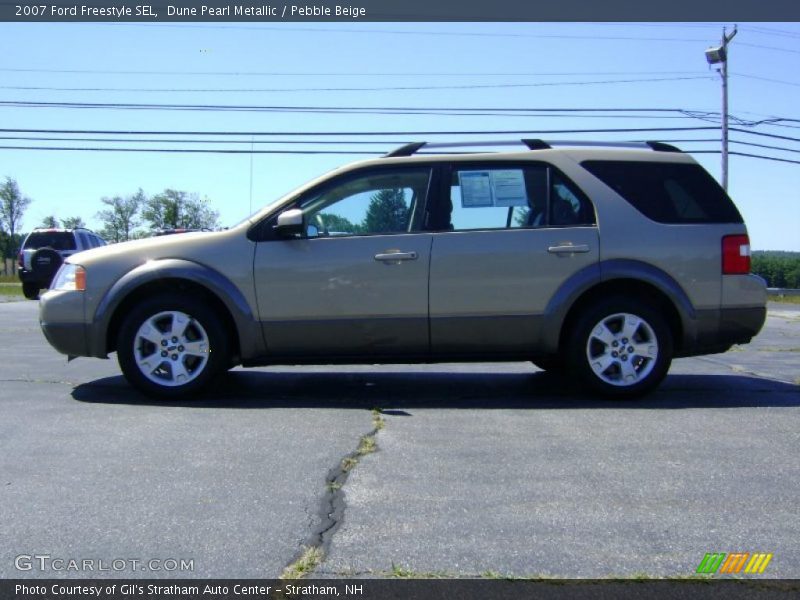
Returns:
<point x="620" y="347"/>
<point x="172" y="346"/>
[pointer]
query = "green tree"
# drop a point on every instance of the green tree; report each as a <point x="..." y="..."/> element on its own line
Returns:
<point x="173" y="209"/>
<point x="49" y="222"/>
<point x="72" y="223"/>
<point x="338" y="223"/>
<point x="121" y="217"/>
<point x="12" y="208"/>
<point x="387" y="212"/>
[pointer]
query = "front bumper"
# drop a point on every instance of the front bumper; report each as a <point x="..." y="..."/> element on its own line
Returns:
<point x="61" y="320"/>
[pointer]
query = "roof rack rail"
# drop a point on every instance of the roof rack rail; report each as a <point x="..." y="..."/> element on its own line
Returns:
<point x="532" y="144"/>
<point x="662" y="147"/>
<point x="406" y="150"/>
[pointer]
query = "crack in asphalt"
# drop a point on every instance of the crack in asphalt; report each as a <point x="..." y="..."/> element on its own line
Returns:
<point x="332" y="505"/>
<point x="24" y="380"/>
<point x="741" y="370"/>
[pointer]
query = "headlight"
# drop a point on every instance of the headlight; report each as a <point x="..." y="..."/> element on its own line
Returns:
<point x="69" y="277"/>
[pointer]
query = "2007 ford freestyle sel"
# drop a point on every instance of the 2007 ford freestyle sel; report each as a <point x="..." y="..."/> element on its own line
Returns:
<point x="603" y="260"/>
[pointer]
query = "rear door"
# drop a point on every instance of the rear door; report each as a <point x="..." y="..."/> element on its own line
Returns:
<point x="509" y="234"/>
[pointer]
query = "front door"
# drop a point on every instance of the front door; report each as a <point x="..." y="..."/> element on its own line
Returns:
<point x="355" y="282"/>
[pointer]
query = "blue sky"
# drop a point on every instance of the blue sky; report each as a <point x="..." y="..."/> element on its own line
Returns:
<point x="472" y="65"/>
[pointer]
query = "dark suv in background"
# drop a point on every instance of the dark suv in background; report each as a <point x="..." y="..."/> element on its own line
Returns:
<point x="44" y="251"/>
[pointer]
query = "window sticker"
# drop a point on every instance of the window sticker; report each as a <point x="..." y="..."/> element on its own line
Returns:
<point x="476" y="188"/>
<point x="508" y="188"/>
<point x="492" y="188"/>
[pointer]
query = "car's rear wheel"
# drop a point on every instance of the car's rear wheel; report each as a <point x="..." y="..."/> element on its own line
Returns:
<point x="171" y="346"/>
<point x="620" y="347"/>
<point x="30" y="290"/>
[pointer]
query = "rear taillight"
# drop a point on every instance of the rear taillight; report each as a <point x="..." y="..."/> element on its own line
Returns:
<point x="735" y="255"/>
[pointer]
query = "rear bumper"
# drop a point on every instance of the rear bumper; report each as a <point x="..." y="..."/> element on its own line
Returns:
<point x="718" y="330"/>
<point x="740" y="325"/>
<point x="26" y="276"/>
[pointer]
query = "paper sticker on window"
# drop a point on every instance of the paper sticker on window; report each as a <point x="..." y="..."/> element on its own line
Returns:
<point x="476" y="188"/>
<point x="508" y="188"/>
<point x="492" y="188"/>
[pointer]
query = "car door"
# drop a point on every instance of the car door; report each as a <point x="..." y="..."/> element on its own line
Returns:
<point x="509" y="235"/>
<point x="354" y="282"/>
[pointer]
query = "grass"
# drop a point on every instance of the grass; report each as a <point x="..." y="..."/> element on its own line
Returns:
<point x="304" y="565"/>
<point x="785" y="299"/>
<point x="401" y="573"/>
<point x="11" y="289"/>
<point x="9" y="279"/>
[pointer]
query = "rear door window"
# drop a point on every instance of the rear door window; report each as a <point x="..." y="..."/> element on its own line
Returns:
<point x="57" y="240"/>
<point x="666" y="192"/>
<point x="509" y="196"/>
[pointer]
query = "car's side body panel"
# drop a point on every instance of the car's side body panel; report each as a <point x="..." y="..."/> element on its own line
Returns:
<point x="489" y="289"/>
<point x="331" y="296"/>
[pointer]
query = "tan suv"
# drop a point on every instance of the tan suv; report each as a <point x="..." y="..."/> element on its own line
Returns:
<point x="605" y="260"/>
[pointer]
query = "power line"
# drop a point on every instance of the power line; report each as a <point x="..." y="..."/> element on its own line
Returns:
<point x="342" y="73"/>
<point x="353" y="133"/>
<point x="759" y="78"/>
<point x="353" y="89"/>
<point x="292" y="152"/>
<point x="187" y="150"/>
<point x="388" y="143"/>
<point x="771" y="31"/>
<point x="784" y="160"/>
<point x="457" y="110"/>
<point x="768" y="47"/>
<point x="365" y="31"/>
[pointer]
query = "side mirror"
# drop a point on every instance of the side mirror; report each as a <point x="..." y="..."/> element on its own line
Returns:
<point x="290" y="222"/>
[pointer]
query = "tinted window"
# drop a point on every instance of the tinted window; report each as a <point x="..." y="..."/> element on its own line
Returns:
<point x="667" y="192"/>
<point x="511" y="197"/>
<point x="57" y="240"/>
<point x="84" y="240"/>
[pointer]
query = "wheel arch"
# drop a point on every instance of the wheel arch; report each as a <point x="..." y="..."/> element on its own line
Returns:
<point x="618" y="277"/>
<point x="184" y="276"/>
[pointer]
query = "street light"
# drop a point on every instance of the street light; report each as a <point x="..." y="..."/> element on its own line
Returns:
<point x="718" y="55"/>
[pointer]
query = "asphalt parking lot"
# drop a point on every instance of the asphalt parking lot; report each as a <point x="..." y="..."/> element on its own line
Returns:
<point x="478" y="470"/>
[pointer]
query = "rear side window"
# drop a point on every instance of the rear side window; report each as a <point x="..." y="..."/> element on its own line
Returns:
<point x="667" y="192"/>
<point x="510" y="196"/>
<point x="57" y="240"/>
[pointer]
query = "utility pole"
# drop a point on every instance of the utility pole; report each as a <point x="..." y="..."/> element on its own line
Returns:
<point x="719" y="55"/>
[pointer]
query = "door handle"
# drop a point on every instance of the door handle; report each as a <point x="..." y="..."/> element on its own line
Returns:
<point x="395" y="256"/>
<point x="568" y="248"/>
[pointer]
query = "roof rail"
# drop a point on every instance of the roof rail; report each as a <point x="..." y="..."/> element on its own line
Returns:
<point x="531" y="144"/>
<point x="662" y="147"/>
<point x="406" y="150"/>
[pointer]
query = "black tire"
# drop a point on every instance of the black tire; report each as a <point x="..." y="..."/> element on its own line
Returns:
<point x="44" y="264"/>
<point x="629" y="373"/>
<point x="201" y="367"/>
<point x="30" y="290"/>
